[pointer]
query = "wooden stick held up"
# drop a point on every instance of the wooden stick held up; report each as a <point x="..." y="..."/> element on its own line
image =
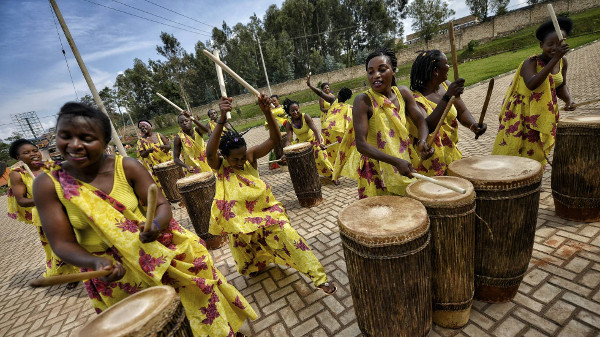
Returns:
<point x="453" y="50"/>
<point x="221" y="79"/>
<point x="68" y="278"/>
<point x="29" y="170"/>
<point x="440" y="183"/>
<point x="486" y="103"/>
<point x="232" y="73"/>
<point x="555" y="22"/>
<point x="151" y="210"/>
<point x="168" y="101"/>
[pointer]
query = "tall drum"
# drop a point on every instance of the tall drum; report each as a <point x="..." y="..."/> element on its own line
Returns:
<point x="452" y="221"/>
<point x="386" y="246"/>
<point x="198" y="191"/>
<point x="278" y="149"/>
<point x="576" y="169"/>
<point x="303" y="172"/>
<point x="155" y="312"/>
<point x="508" y="197"/>
<point x="168" y="173"/>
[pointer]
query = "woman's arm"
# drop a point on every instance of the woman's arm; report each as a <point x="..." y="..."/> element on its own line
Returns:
<point x="265" y="147"/>
<point x="312" y="126"/>
<point x="563" y="91"/>
<point x="414" y="112"/>
<point x="466" y="118"/>
<point x="146" y="153"/>
<point x="455" y="89"/>
<point x="166" y="143"/>
<point x="212" y="148"/>
<point x="288" y="133"/>
<point x="323" y="96"/>
<point x="177" y="153"/>
<point x="360" y="112"/>
<point x="532" y="78"/>
<point x="59" y="232"/>
<point x="20" y="190"/>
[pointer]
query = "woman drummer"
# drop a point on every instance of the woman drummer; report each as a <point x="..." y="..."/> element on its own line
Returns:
<point x="90" y="211"/>
<point x="529" y="111"/>
<point x="189" y="139"/>
<point x="305" y="130"/>
<point x="429" y="83"/>
<point x="152" y="148"/>
<point x="257" y="224"/>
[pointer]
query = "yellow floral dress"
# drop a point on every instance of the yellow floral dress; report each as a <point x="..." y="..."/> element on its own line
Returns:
<point x="528" y="118"/>
<point x="107" y="225"/>
<point x="325" y="115"/>
<point x="29" y="215"/>
<point x="280" y="116"/>
<point x="444" y="143"/>
<point x="387" y="132"/>
<point x="338" y="119"/>
<point x="154" y="158"/>
<point x="305" y="134"/>
<point x="194" y="152"/>
<point x="258" y="226"/>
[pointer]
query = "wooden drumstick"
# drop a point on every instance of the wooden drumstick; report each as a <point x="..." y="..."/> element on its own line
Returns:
<point x="587" y="102"/>
<point x="453" y="50"/>
<point x="221" y="79"/>
<point x="68" y="278"/>
<point x="232" y="73"/>
<point x="151" y="210"/>
<point x="555" y="22"/>
<point x="168" y="101"/>
<point x="28" y="170"/>
<point x="440" y="183"/>
<point x="332" y="144"/>
<point x="485" y="103"/>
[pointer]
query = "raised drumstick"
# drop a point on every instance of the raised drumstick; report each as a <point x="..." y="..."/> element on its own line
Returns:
<point x="68" y="278"/>
<point x="29" y="170"/>
<point x="485" y="103"/>
<point x="453" y="50"/>
<point x="555" y="22"/>
<point x="151" y="210"/>
<point x="441" y="183"/>
<point x="168" y="101"/>
<point x="232" y="73"/>
<point x="221" y="79"/>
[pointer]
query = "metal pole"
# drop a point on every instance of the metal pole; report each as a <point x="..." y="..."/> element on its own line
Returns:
<point x="87" y="77"/>
<point x="263" y="63"/>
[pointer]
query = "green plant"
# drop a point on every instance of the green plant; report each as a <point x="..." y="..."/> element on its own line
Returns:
<point x="472" y="44"/>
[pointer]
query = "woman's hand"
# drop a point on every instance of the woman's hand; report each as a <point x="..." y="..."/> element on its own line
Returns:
<point x="117" y="273"/>
<point x="308" y="79"/>
<point x="225" y="106"/>
<point x="478" y="129"/>
<point x="570" y="106"/>
<point x="264" y="102"/>
<point x="425" y="151"/>
<point x="187" y="114"/>
<point x="456" y="88"/>
<point x="561" y="50"/>
<point x="404" y="168"/>
<point x="151" y="235"/>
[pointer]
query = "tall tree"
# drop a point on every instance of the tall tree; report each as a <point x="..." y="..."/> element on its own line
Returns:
<point x="428" y="15"/>
<point x="484" y="8"/>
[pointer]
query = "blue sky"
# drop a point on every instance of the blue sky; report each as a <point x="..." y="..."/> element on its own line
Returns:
<point x="33" y="73"/>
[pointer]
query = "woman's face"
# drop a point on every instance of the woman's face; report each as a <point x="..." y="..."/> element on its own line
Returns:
<point x="443" y="68"/>
<point x="212" y="114"/>
<point x="380" y="73"/>
<point x="80" y="140"/>
<point x="295" y="111"/>
<point x="275" y="101"/>
<point x="550" y="44"/>
<point x="184" y="123"/>
<point x="326" y="89"/>
<point x="237" y="157"/>
<point x="145" y="129"/>
<point x="29" y="154"/>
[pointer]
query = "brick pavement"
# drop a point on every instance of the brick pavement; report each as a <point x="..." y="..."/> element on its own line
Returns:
<point x="560" y="295"/>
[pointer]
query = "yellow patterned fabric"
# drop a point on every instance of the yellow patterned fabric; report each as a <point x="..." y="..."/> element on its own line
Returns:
<point x="178" y="258"/>
<point x="257" y="224"/>
<point x="280" y="116"/>
<point x="325" y="115"/>
<point x="305" y="134"/>
<point x="54" y="265"/>
<point x="194" y="152"/>
<point x="154" y="158"/>
<point x="528" y="118"/>
<point x="387" y="132"/>
<point x="444" y="143"/>
<point x="339" y="118"/>
<point x="212" y="125"/>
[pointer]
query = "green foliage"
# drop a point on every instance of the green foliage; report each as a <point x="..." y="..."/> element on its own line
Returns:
<point x="483" y="9"/>
<point x="472" y="44"/>
<point x="428" y="15"/>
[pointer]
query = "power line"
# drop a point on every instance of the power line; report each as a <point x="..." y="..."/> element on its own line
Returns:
<point x="141" y="17"/>
<point x="185" y="16"/>
<point x="63" y="49"/>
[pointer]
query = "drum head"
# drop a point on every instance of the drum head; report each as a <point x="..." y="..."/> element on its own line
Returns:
<point x="166" y="164"/>
<point x="132" y="313"/>
<point x="587" y="120"/>
<point x="296" y="147"/>
<point x="432" y="195"/>
<point x="383" y="221"/>
<point x="489" y="171"/>
<point x="198" y="177"/>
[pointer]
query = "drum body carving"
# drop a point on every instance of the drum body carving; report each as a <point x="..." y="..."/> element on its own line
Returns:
<point x="452" y="221"/>
<point x="575" y="169"/>
<point x="198" y="191"/>
<point x="508" y="196"/>
<point x="155" y="311"/>
<point x="303" y="172"/>
<point x="168" y="173"/>
<point x="387" y="252"/>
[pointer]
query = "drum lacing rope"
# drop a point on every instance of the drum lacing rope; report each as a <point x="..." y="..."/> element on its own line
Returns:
<point x="486" y="225"/>
<point x="538" y="189"/>
<point x="180" y="320"/>
<point x="389" y="257"/>
<point x="457" y="303"/>
<point x="448" y="216"/>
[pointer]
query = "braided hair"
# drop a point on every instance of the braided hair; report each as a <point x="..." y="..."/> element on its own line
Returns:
<point x="287" y="104"/>
<point x="231" y="140"/>
<point x="384" y="52"/>
<point x="344" y="95"/>
<point x="423" y="67"/>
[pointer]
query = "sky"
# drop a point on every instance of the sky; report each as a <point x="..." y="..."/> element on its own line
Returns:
<point x="33" y="72"/>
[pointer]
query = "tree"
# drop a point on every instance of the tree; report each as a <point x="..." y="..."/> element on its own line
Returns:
<point x="483" y="8"/>
<point x="428" y="15"/>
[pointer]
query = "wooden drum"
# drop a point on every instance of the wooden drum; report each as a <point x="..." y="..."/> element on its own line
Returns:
<point x="278" y="149"/>
<point x="576" y="170"/>
<point x="168" y="173"/>
<point x="198" y="191"/>
<point x="386" y="246"/>
<point x="452" y="219"/>
<point x="303" y="172"/>
<point x="156" y="311"/>
<point x="508" y="197"/>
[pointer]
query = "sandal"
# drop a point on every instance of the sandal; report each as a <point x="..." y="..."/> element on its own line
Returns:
<point x="328" y="288"/>
<point x="72" y="285"/>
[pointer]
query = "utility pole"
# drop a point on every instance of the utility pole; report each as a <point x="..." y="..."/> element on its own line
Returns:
<point x="263" y="63"/>
<point x="86" y="75"/>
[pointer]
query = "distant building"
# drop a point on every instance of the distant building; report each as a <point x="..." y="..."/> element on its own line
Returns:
<point x="459" y="24"/>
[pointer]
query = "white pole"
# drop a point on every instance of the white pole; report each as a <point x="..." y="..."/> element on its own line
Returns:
<point x="263" y="63"/>
<point x="221" y="79"/>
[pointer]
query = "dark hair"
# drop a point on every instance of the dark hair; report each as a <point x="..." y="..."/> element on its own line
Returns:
<point x="209" y="110"/>
<point x="323" y="85"/>
<point x="144" y="120"/>
<point x="231" y="140"/>
<point x="276" y="96"/>
<point x="423" y="67"/>
<point x="344" y="95"/>
<point x="13" y="150"/>
<point x="287" y="104"/>
<point x="77" y="109"/>
<point x="384" y="52"/>
<point x="547" y="27"/>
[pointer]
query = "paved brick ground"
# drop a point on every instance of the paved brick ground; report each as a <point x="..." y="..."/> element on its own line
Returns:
<point x="560" y="295"/>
